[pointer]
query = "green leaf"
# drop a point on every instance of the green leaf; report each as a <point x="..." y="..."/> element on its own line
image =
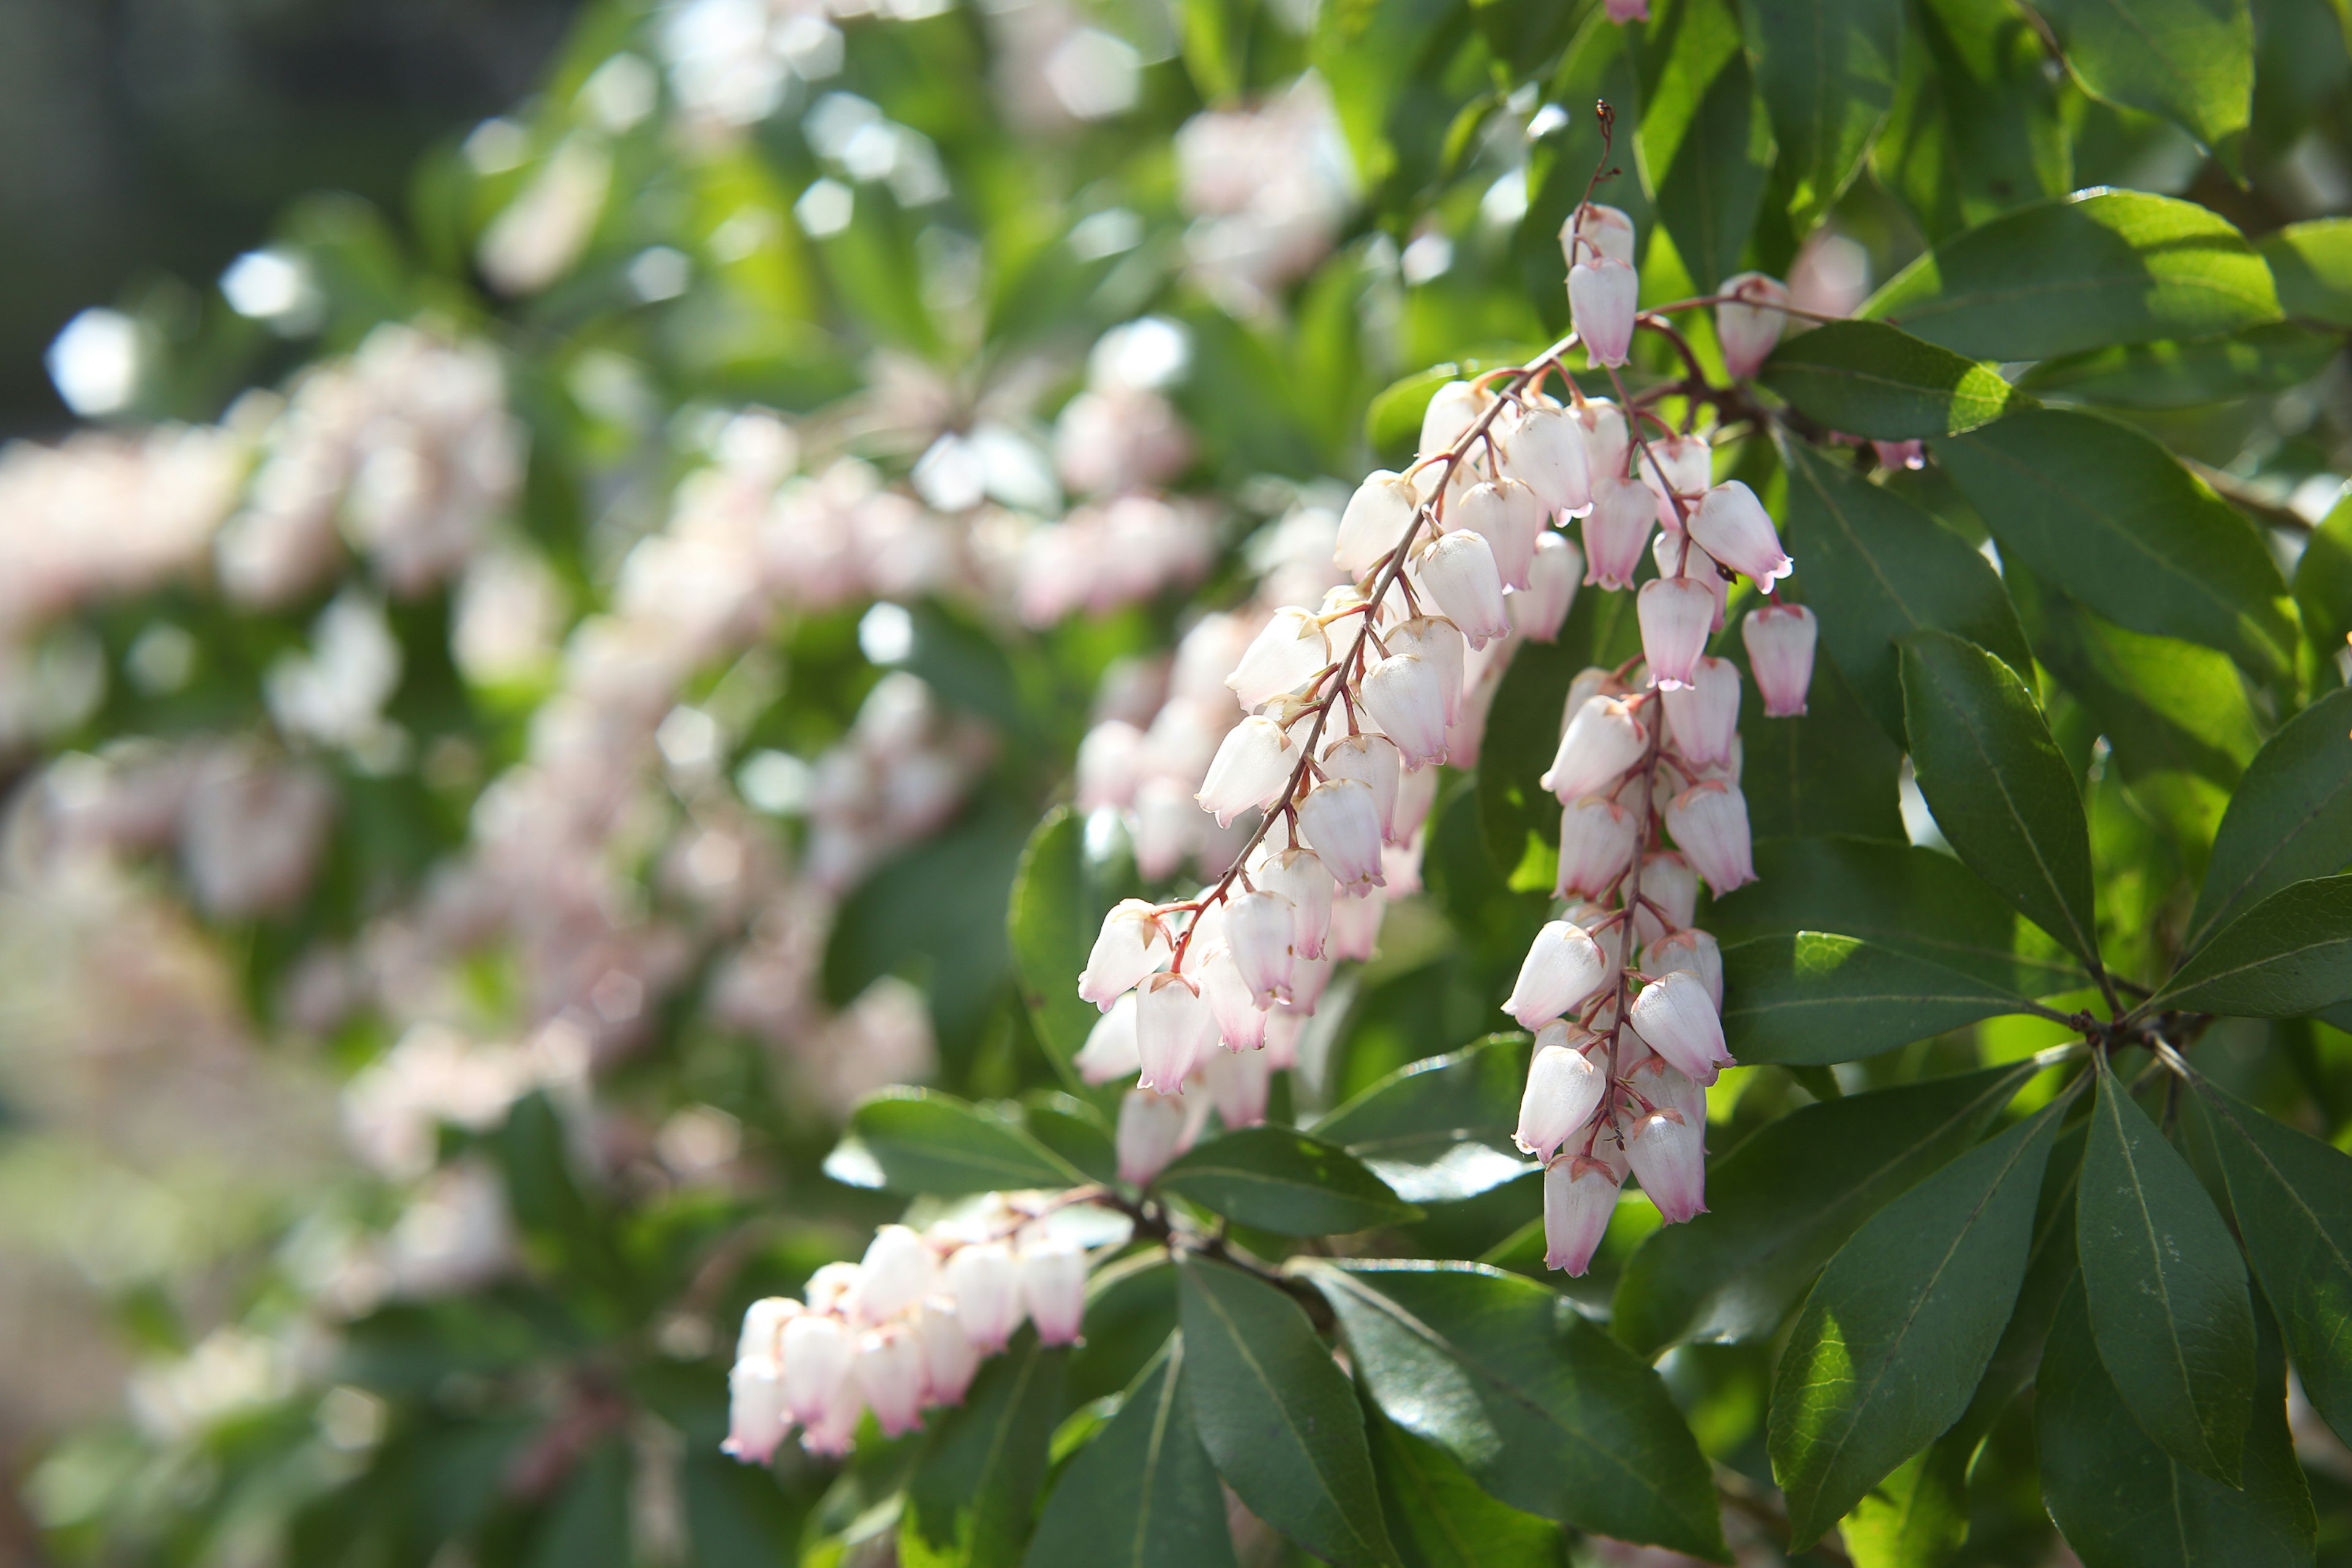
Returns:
<point x="1825" y="70"/>
<point x="1829" y="770"/>
<point x="1073" y="1130"/>
<point x="2122" y="1503"/>
<point x="1867" y="378"/>
<point x="2000" y="790"/>
<point x="1917" y="1517"/>
<point x="2293" y="1197"/>
<point x="1974" y="130"/>
<point x="1370" y="52"/>
<point x="1896" y="896"/>
<point x="1877" y="567"/>
<point x="2323" y="580"/>
<point x="1143" y="1494"/>
<point x="1893" y="1340"/>
<point x="2165" y="1287"/>
<point x="1285" y="1181"/>
<point x="1277" y="1415"/>
<point x="1440" y="1130"/>
<point x="1538" y="1405"/>
<point x="1787" y="1198"/>
<point x="1814" y="997"/>
<point x="920" y="1140"/>
<point x="2312" y="265"/>
<point x="1705" y="146"/>
<point x="2259" y="361"/>
<point x="2291" y="815"/>
<point x="970" y="1497"/>
<point x="1055" y="912"/>
<point x="2110" y="516"/>
<point x="2103" y="267"/>
<point x="2190" y="61"/>
<point x="1440" y="1518"/>
<point x="2288" y="956"/>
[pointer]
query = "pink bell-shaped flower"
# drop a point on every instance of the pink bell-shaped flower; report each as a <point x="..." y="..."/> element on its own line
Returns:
<point x="1453" y="409"/>
<point x="1438" y="641"/>
<point x="1623" y="513"/>
<point x="1171" y="1025"/>
<point x="755" y="1410"/>
<point x="1251" y="770"/>
<point x="1541" y="609"/>
<point x="1110" y="1053"/>
<point x="1562" y="1091"/>
<point x="1238" y="1082"/>
<point x="1703" y="717"/>
<point x="1779" y="638"/>
<point x="1690" y="952"/>
<point x="1603" y="739"/>
<point x="1677" y="557"/>
<point x="888" y="1368"/>
<point x="1596" y="845"/>
<point x="1732" y="526"/>
<point x="1544" y="449"/>
<point x="1342" y="824"/>
<point x="1298" y="876"/>
<point x="897" y="1270"/>
<point x="1282" y="658"/>
<point x="1676" y="468"/>
<point x="1110" y="764"/>
<point x="1374" y="522"/>
<point x="1563" y="967"/>
<point x="1132" y="943"/>
<point x="1151" y="1131"/>
<point x="1509" y="516"/>
<point x="817" y="1350"/>
<point x="1261" y="929"/>
<point x="1669" y="1154"/>
<point x="763" y="1327"/>
<point x="1594" y="230"/>
<point x="1665" y="1089"/>
<point x="1404" y="697"/>
<point x="1054" y="1284"/>
<point x="1670" y="885"/>
<point x="1675" y="613"/>
<point x="1709" y="822"/>
<point x="1416" y="792"/>
<point x="1233" y="1008"/>
<point x="1579" y="1193"/>
<point x="1602" y="302"/>
<point x="1459" y="571"/>
<point x="1608" y="443"/>
<point x="950" y="1358"/>
<point x="1371" y="760"/>
<point x="1676" y="1017"/>
<point x="1356" y="926"/>
<point x="983" y="1281"/>
<point x="1747" y="323"/>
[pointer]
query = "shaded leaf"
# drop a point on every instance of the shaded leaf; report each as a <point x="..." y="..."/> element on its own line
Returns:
<point x="921" y="1141"/>
<point x="2291" y="816"/>
<point x="1055" y="912"/>
<point x="2288" y="956"/>
<point x="1143" y="1494"/>
<point x="1704" y="144"/>
<point x="1818" y="997"/>
<point x="1285" y="1181"/>
<point x="2323" y="580"/>
<point x="971" y="1493"/>
<point x="2312" y="263"/>
<point x="1440" y="1518"/>
<point x="1974" y="130"/>
<point x="1867" y="378"/>
<point x="1825" y="71"/>
<point x="2190" y="61"/>
<point x="1440" y="1130"/>
<point x="1829" y="770"/>
<point x="2255" y="363"/>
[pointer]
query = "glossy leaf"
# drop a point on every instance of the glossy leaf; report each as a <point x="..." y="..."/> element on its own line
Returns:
<point x="2000" y="790"/>
<point x="2312" y="265"/>
<point x="2290" y="817"/>
<point x="1541" y="1407"/>
<point x="1867" y="378"/>
<point x="2124" y="1503"/>
<point x="2190" y="61"/>
<point x="2290" y="954"/>
<point x="2167" y="1289"/>
<point x="1054" y="913"/>
<point x="921" y="1141"/>
<point x="2188" y="375"/>
<point x="1891" y="1344"/>
<point x="1440" y="1518"/>
<point x="1787" y="1198"/>
<point x="1278" y="1416"/>
<point x="1825" y="71"/>
<point x="1816" y="997"/>
<point x="1142" y="1494"/>
<point x="1704" y="144"/>
<point x="2082" y="272"/>
<point x="2110" y="516"/>
<point x="1285" y="1181"/>
<point x="1440" y="1130"/>
<point x="974" y="1485"/>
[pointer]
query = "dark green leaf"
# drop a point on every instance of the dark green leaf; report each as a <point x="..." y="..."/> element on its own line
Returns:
<point x="2293" y="1197"/>
<point x="2291" y="816"/>
<point x="1542" y="1407"/>
<point x="1786" y="1199"/>
<point x="1277" y="1415"/>
<point x="2082" y="272"/>
<point x="1055" y="912"/>
<point x="2124" y="1504"/>
<point x="1705" y="145"/>
<point x="2190" y="61"/>
<point x="1867" y="378"/>
<point x="1073" y="1130"/>
<point x="1876" y="568"/>
<point x="920" y="1140"/>
<point x="2000" y="790"/>
<point x="1829" y="770"/>
<point x="1143" y="1494"/>
<point x="1282" y="1180"/>
<point x="1815" y="997"/>
<point x="1893" y="1337"/>
<point x="1130" y="1313"/>
<point x="2165" y="1287"/>
<point x="970" y="1497"/>
<point x="1974" y="130"/>
<point x="2313" y="264"/>
<point x="2323" y="581"/>
<point x="1440" y="1518"/>
<point x="1896" y="896"/>
<point x="588" y="1524"/>
<point x="2110" y="516"/>
<point x="2255" y="363"/>
<point x="1825" y="70"/>
<point x="2288" y="956"/>
<point x="1440" y="1130"/>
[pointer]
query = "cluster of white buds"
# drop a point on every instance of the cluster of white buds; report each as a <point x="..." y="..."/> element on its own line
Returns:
<point x="901" y="1330"/>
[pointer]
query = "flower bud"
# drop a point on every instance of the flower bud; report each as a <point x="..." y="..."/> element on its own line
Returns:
<point x="1356" y="926"/>
<point x="983" y="1281"/>
<point x="1110" y="764"/>
<point x="1669" y="884"/>
<point x="1779" y="640"/>
<point x="1669" y="1154"/>
<point x="1579" y="1193"/>
<point x="1675" y="466"/>
<point x="1679" y="1022"/>
<point x="1298" y="876"/>
<point x="1665" y="1089"/>
<point x="1342" y="824"/>
<point x="1689" y="951"/>
<point x="1238" y="1082"/>
<point x="1541" y="609"/>
<point x="1109" y="1052"/>
<point x="1233" y="1008"/>
<point x="1563" y="1088"/>
<point x="1151" y="1130"/>
<point x="1403" y="695"/>
<point x="1459" y="571"/>
<point x="1675" y="614"/>
<point x="755" y="1410"/>
<point x="1596" y="845"/>
<point x="1623" y="11"/>
<point x="1250" y="772"/>
<point x="1618" y="525"/>
<point x="1544" y="449"/>
<point x="1702" y="717"/>
<point x="817" y="1364"/>
<point x="1900" y="454"/>
<point x="1374" y="522"/>
<point x="1371" y="760"/>
<point x="950" y="1358"/>
<point x="1282" y="658"/>
<point x="1562" y="968"/>
<point x="763" y="1327"/>
<point x="1747" y="322"/>
<point x="1732" y="526"/>
<point x="1593" y="230"/>
<point x="889" y="1373"/>
<point x="1132" y="944"/>
<point x="1260" y="928"/>
<point x="1607" y="442"/>
<point x="1416" y="794"/>
<point x="1439" y="642"/>
<point x="1171" y="1025"/>
<point x="1602" y="304"/>
<point x="897" y="1270"/>
<point x="1709" y="822"/>
<point x="1509" y="516"/>
<point x="1054" y="1284"/>
<point x="1602" y="739"/>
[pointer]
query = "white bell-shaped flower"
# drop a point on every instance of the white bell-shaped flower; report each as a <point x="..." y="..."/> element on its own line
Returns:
<point x="1669" y="894"/>
<point x="1601" y="303"/>
<point x="1690" y="952"/>
<point x="1779" y="640"/>
<point x="1608" y="443"/>
<point x="1110" y="1053"/>
<point x="888" y="1368"/>
<point x="1616" y="531"/>
<point x="1356" y="926"/>
<point x="1603" y="739"/>
<point x="1151" y="1130"/>
<point x="763" y="1327"/>
<point x="756" y="1418"/>
<point x="817" y="1352"/>
<point x="1110" y="764"/>
<point x="950" y="1358"/>
<point x="1703" y="717"/>
<point x="1438" y="641"/>
<point x="1233" y="1006"/>
<point x="1541" y="609"/>
<point x="1676" y="468"/>
<point x="983" y="1281"/>
<point x="1563" y="1090"/>
<point x="1663" y="1087"/>
<point x="1676" y="613"/>
<point x="1677" y="557"/>
<point x="1596" y="845"/>
<point x="1676" y="1017"/>
<point x="1053" y="1285"/>
<point x="897" y="1270"/>
<point x="1709" y="822"/>
<point x="1579" y="1193"/>
<point x="1371" y="760"/>
<point x="1238" y="1083"/>
<point x="1543" y="448"/>
<point x="1453" y="409"/>
<point x="1260" y="928"/>
<point x="1374" y="522"/>
<point x="1298" y="875"/>
<point x="1748" y="322"/>
<point x="1342" y="824"/>
<point x="1459" y="571"/>
<point x="1282" y="658"/>
<point x="1732" y="526"/>
<point x="1509" y="516"/>
<point x="1592" y="229"/>
<point x="1669" y="1154"/>
<point x="1416" y="795"/>
<point x="1251" y="770"/>
<point x="829" y="1288"/>
<point x="1563" y="967"/>
<point x="1171" y="1025"/>
<point x="1405" y="697"/>
<point x="1132" y="943"/>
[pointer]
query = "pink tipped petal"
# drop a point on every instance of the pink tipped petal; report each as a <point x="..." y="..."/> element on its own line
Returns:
<point x="1747" y="323"/>
<point x="1579" y="1194"/>
<point x="1709" y="822"/>
<point x="1676" y="613"/>
<point x="1601" y="296"/>
<point x="1779" y="640"/>
<point x="1669" y="1154"/>
<point x="1732" y="526"/>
